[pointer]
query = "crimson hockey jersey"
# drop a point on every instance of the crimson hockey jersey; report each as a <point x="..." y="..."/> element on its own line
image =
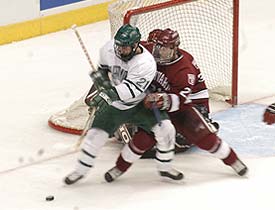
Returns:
<point x="183" y="78"/>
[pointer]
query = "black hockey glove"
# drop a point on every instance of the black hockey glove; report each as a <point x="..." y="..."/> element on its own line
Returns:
<point x="101" y="79"/>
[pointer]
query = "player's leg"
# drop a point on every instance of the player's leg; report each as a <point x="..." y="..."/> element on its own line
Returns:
<point x="202" y="134"/>
<point x="220" y="149"/>
<point x="92" y="143"/>
<point x="165" y="135"/>
<point x="269" y="114"/>
<point x="104" y="124"/>
<point x="165" y="138"/>
<point x="141" y="142"/>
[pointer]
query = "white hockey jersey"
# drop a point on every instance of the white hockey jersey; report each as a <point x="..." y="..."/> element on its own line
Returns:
<point x="130" y="79"/>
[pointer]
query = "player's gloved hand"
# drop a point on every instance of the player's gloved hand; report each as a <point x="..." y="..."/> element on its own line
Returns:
<point x="161" y="101"/>
<point x="91" y="95"/>
<point x="101" y="79"/>
<point x="103" y="97"/>
<point x="269" y="114"/>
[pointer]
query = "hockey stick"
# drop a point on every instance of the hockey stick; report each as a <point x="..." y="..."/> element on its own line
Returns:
<point x="155" y="110"/>
<point x="83" y="47"/>
<point x="156" y="113"/>
<point x="86" y="128"/>
<point x="123" y="131"/>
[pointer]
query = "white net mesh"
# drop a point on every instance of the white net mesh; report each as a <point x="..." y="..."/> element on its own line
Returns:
<point x="205" y="28"/>
<point x="118" y="9"/>
<point x="71" y="119"/>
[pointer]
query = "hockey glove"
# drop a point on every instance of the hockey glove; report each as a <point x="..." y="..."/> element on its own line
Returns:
<point x="161" y="101"/>
<point x="269" y="114"/>
<point x="101" y="79"/>
<point x="104" y="97"/>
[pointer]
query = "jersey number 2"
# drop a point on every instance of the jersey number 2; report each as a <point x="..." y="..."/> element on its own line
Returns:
<point x="142" y="83"/>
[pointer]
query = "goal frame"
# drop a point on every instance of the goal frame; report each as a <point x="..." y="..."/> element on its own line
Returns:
<point x="235" y="36"/>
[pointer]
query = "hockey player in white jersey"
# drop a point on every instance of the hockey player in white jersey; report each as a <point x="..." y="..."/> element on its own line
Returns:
<point x="119" y="101"/>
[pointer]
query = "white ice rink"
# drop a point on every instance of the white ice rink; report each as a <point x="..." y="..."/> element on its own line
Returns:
<point x="42" y="75"/>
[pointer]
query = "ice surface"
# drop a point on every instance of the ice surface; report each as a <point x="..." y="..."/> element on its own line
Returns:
<point x="42" y="75"/>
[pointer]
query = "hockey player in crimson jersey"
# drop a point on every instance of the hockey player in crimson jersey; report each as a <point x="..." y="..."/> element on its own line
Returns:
<point x="269" y="114"/>
<point x="180" y="89"/>
<point x="181" y="143"/>
<point x="119" y="101"/>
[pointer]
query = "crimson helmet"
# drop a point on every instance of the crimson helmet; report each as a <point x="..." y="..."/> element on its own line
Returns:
<point x="153" y="35"/>
<point x="166" y="46"/>
<point x="169" y="38"/>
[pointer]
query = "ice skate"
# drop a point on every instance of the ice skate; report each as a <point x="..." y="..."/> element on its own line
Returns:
<point x="112" y="174"/>
<point x="73" y="178"/>
<point x="172" y="174"/>
<point x="240" y="168"/>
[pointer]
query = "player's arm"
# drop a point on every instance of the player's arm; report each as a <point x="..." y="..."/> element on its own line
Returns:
<point x="101" y="76"/>
<point x="136" y="83"/>
<point x="269" y="114"/>
<point x="177" y="99"/>
<point x="102" y="95"/>
<point x="102" y="80"/>
<point x="106" y="93"/>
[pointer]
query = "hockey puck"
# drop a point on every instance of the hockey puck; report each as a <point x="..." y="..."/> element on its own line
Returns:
<point x="50" y="198"/>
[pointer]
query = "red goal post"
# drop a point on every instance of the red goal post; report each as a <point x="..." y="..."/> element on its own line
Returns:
<point x="208" y="30"/>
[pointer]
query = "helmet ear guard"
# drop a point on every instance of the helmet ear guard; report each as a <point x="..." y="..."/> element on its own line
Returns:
<point x="126" y="36"/>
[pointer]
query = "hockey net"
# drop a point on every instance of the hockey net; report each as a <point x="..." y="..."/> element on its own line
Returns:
<point x="208" y="30"/>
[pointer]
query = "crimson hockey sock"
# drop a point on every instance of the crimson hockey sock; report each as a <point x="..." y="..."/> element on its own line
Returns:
<point x="231" y="158"/>
<point x="122" y="165"/>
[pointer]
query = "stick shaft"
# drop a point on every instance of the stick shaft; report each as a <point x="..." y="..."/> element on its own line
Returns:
<point x="83" y="48"/>
<point x="86" y="128"/>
